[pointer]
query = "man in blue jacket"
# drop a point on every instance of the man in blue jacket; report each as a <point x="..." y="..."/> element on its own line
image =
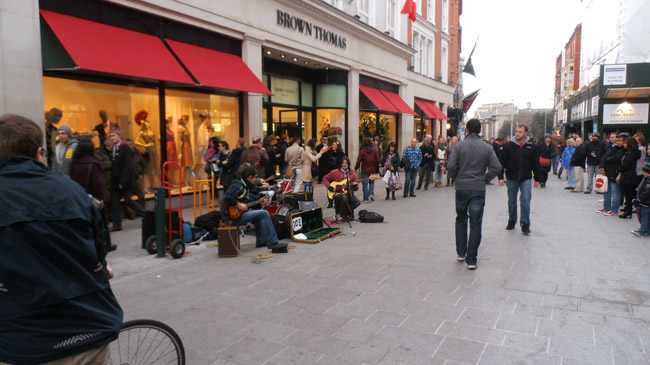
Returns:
<point x="55" y="299"/>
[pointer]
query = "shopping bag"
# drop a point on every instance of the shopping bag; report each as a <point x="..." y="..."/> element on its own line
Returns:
<point x="394" y="183"/>
<point x="600" y="184"/>
<point x="386" y="178"/>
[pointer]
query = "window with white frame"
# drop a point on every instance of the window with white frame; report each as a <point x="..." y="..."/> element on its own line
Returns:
<point x="423" y="59"/>
<point x="335" y="3"/>
<point x="363" y="10"/>
<point x="391" y="12"/>
<point x="444" y="63"/>
<point x="418" y="54"/>
<point x="431" y="12"/>
<point x="445" y="16"/>
<point x="418" y="6"/>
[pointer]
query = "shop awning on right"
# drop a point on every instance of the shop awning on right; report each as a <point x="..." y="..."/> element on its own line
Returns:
<point x="430" y="109"/>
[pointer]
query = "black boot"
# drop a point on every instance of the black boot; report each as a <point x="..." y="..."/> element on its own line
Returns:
<point x="387" y="194"/>
<point x="626" y="214"/>
<point x="393" y="195"/>
<point x="330" y="203"/>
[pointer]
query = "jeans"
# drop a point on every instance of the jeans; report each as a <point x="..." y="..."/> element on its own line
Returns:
<point x="308" y="187"/>
<point x="592" y="170"/>
<point x="297" y="185"/>
<point x="645" y="219"/>
<point x="264" y="231"/>
<point x="469" y="204"/>
<point x="514" y="187"/>
<point x="409" y="182"/>
<point x="424" y="174"/>
<point x="612" y="198"/>
<point x="344" y="205"/>
<point x="438" y="174"/>
<point x="571" y="176"/>
<point x="116" y="196"/>
<point x="555" y="161"/>
<point x="578" y="172"/>
<point x="368" y="187"/>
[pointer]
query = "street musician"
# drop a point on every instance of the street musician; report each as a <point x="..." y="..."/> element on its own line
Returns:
<point x="237" y="208"/>
<point x="342" y="183"/>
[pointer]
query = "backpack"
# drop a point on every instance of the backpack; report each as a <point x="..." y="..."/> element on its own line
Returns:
<point x="370" y="217"/>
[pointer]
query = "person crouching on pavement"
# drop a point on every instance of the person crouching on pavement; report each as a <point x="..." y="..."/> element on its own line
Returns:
<point x="345" y="202"/>
<point x="237" y="195"/>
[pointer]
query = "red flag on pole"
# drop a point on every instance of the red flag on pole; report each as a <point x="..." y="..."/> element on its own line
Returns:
<point x="410" y="8"/>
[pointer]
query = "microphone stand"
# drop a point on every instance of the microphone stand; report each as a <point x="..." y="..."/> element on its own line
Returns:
<point x="347" y="196"/>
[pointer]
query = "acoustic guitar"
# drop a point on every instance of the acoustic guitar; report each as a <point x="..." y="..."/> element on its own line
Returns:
<point x="234" y="213"/>
<point x="341" y="186"/>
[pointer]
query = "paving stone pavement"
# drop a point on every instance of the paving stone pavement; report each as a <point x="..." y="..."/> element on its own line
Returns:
<point x="575" y="291"/>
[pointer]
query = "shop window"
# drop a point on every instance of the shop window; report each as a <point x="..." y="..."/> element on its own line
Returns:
<point x="307" y="91"/>
<point x="284" y="91"/>
<point x="385" y="127"/>
<point x="193" y="119"/>
<point x="331" y="122"/>
<point x="81" y="102"/>
<point x="331" y="96"/>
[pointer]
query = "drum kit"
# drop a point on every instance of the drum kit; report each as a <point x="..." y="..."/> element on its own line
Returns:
<point x="275" y="193"/>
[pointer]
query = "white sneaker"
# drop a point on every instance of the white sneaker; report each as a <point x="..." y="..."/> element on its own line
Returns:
<point x="372" y="197"/>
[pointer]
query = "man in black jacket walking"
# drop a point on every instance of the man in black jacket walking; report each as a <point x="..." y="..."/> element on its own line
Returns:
<point x="123" y="178"/>
<point x="595" y="151"/>
<point x="520" y="159"/>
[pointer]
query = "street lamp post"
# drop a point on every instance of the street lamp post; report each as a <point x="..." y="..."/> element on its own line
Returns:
<point x="544" y="123"/>
<point x="512" y="118"/>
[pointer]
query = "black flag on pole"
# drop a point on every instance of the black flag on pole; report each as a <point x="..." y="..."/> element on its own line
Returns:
<point x="469" y="67"/>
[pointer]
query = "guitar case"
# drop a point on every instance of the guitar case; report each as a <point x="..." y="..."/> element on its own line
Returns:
<point x="310" y="223"/>
<point x="292" y="199"/>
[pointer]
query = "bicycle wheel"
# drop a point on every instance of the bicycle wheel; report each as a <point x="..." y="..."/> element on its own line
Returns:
<point x="145" y="341"/>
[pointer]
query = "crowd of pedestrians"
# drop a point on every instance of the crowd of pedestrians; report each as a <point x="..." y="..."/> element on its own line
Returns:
<point x="617" y="163"/>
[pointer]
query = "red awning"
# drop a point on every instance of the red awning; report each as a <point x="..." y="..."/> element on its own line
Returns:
<point x="398" y="102"/>
<point x="218" y="69"/>
<point x="104" y="48"/>
<point x="377" y="98"/>
<point x="430" y="109"/>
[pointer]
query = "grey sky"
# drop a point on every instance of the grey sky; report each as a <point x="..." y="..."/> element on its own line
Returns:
<point x="519" y="41"/>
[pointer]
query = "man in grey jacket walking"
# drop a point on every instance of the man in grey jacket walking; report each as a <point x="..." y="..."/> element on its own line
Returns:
<point x="471" y="163"/>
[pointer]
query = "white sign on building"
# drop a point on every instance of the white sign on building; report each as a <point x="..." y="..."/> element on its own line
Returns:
<point x="615" y="75"/>
<point x="625" y="113"/>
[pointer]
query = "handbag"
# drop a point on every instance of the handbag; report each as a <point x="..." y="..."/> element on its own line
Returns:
<point x="601" y="184"/>
<point x="544" y="162"/>
<point x="314" y="170"/>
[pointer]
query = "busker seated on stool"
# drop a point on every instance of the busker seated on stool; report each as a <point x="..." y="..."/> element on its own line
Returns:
<point x="344" y="200"/>
<point x="240" y="206"/>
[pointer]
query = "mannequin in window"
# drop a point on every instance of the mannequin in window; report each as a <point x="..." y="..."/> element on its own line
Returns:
<point x="202" y="140"/>
<point x="104" y="128"/>
<point x="172" y="154"/>
<point x="147" y="140"/>
<point x="187" y="160"/>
